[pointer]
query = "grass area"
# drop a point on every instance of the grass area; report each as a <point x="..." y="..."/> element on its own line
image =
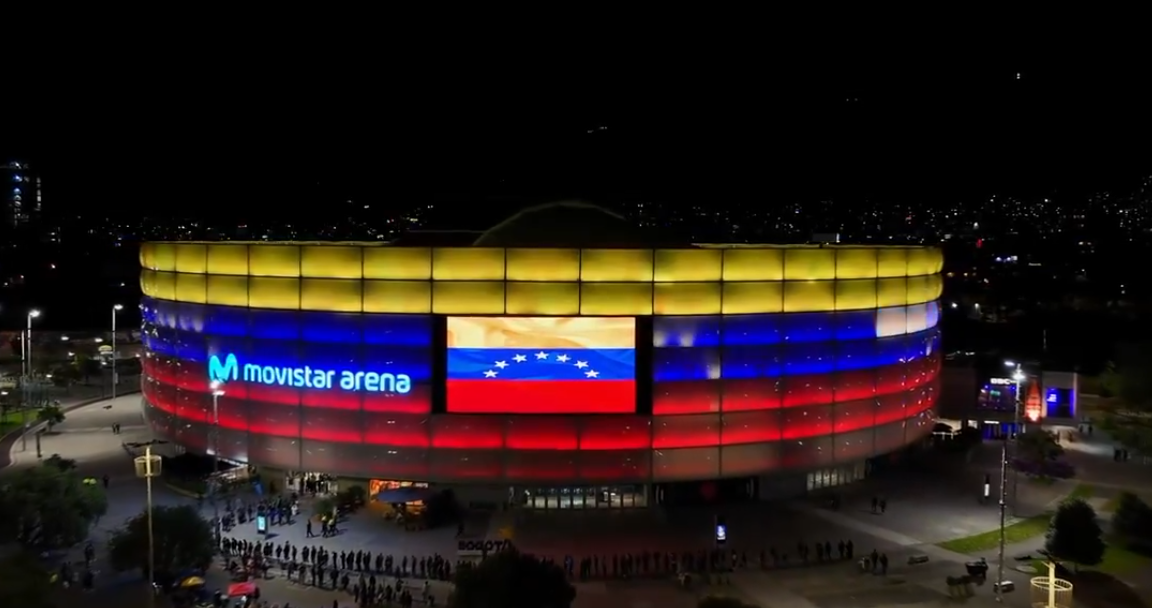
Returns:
<point x="14" y="419"/>
<point x="1121" y="562"/>
<point x="1118" y="562"/>
<point x="1112" y="504"/>
<point x="1082" y="491"/>
<point x="1015" y="533"/>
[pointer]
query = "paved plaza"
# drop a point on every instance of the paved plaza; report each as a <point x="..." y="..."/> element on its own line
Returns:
<point x="920" y="513"/>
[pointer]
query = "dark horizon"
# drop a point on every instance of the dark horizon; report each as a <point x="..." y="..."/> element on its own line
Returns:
<point x="896" y="132"/>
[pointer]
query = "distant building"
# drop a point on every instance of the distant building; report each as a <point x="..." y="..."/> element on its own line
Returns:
<point x="20" y="188"/>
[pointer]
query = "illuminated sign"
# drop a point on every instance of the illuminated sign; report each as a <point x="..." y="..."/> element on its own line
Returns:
<point x="541" y="365"/>
<point x="1002" y="381"/>
<point x="230" y="370"/>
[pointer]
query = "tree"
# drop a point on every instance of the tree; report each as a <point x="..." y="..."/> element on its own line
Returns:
<point x="52" y="415"/>
<point x="47" y="508"/>
<point x="57" y="462"/>
<point x="716" y="601"/>
<point x="324" y="507"/>
<point x="511" y="579"/>
<point x="182" y="541"/>
<point x="1038" y="453"/>
<point x="1132" y="520"/>
<point x="1074" y="535"/>
<point x="24" y="582"/>
<point x="1129" y="376"/>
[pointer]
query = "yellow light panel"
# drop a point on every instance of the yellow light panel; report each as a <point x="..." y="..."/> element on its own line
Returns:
<point x="609" y="299"/>
<point x="753" y="264"/>
<point x="468" y="297"/>
<point x="270" y="292"/>
<point x="227" y="290"/>
<point x="920" y="262"/>
<point x="856" y="294"/>
<point x="612" y="265"/>
<point x="924" y="288"/>
<point x="398" y="263"/>
<point x="148" y="256"/>
<point x="892" y="262"/>
<point x="543" y="264"/>
<point x="191" y="258"/>
<point x="331" y="262"/>
<point x="339" y="295"/>
<point x="856" y="263"/>
<point x="809" y="296"/>
<point x="467" y="264"/>
<point x="687" y="298"/>
<point x="228" y="258"/>
<point x="404" y="297"/>
<point x="809" y="263"/>
<point x="191" y="288"/>
<point x="148" y="282"/>
<point x="164" y="257"/>
<point x="892" y="291"/>
<point x="546" y="299"/>
<point x="688" y="265"/>
<point x="751" y="297"/>
<point x="165" y="285"/>
<point x="274" y="260"/>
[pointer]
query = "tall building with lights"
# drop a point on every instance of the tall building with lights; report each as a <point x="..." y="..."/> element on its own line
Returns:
<point x="21" y="191"/>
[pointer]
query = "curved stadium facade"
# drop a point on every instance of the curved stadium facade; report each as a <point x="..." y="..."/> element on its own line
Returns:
<point x="541" y="366"/>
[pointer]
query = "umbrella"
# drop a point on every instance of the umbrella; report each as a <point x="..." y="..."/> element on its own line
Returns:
<point x="239" y="589"/>
<point x="192" y="581"/>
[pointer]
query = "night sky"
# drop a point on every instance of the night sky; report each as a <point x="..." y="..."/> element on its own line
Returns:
<point x="666" y="128"/>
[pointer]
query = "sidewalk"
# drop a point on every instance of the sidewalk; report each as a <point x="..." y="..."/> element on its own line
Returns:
<point x="8" y="441"/>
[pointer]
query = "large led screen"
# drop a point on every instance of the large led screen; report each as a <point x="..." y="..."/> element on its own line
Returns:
<point x="541" y="365"/>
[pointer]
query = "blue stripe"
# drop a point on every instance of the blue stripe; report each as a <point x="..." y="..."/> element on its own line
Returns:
<point x="790" y="328"/>
<point x="747" y="362"/>
<point x="542" y="364"/>
<point x="305" y="326"/>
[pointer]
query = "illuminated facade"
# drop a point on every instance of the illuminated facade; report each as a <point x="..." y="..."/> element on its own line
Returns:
<point x="352" y="358"/>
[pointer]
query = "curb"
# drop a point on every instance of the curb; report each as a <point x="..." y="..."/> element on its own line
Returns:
<point x="8" y="441"/>
<point x="181" y="491"/>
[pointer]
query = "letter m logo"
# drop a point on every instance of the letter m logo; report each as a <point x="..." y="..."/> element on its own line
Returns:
<point x="223" y="372"/>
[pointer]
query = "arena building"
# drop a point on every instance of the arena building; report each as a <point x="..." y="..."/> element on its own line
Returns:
<point x="568" y="377"/>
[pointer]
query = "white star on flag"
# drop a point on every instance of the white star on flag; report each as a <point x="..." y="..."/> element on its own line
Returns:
<point x="581" y="364"/>
<point x="519" y="358"/>
<point x="541" y="355"/>
<point x="563" y="358"/>
<point x="501" y="364"/>
<point x="591" y="373"/>
<point x="490" y="374"/>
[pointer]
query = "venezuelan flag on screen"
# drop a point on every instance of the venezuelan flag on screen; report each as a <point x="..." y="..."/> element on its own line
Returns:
<point x="541" y="365"/>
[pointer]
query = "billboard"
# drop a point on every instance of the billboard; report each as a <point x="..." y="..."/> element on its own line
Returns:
<point x="541" y="365"/>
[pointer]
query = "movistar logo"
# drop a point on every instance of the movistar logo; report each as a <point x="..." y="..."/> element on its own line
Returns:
<point x="229" y="369"/>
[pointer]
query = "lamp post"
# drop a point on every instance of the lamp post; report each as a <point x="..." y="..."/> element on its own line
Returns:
<point x="149" y="466"/>
<point x="32" y="314"/>
<point x="1018" y="377"/>
<point x="115" y="309"/>
<point x="217" y="392"/>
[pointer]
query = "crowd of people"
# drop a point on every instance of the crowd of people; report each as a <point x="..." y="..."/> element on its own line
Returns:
<point x="369" y="577"/>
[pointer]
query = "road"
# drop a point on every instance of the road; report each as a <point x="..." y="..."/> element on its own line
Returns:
<point x="921" y="511"/>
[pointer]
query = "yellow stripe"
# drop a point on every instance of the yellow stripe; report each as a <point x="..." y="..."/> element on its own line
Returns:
<point x="541" y="332"/>
<point x="530" y="298"/>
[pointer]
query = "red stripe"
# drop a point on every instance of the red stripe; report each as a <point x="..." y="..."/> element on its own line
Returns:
<point x="542" y="396"/>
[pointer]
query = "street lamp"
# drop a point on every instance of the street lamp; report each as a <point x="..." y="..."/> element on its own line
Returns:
<point x="217" y="392"/>
<point x="1018" y="377"/>
<point x="149" y="466"/>
<point x="115" y="309"/>
<point x="32" y="314"/>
